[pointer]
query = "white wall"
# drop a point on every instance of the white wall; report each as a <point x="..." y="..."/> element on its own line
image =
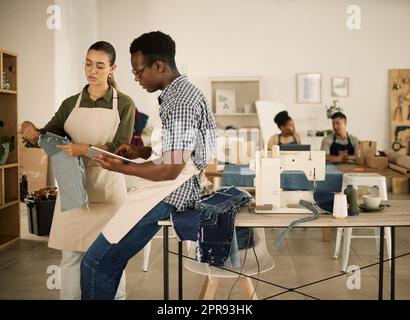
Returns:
<point x="274" y="39"/>
<point x="23" y="30"/>
<point x="77" y="33"/>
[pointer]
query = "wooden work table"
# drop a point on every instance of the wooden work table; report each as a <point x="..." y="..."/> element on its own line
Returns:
<point x="396" y="216"/>
<point x="400" y="182"/>
<point x="353" y="167"/>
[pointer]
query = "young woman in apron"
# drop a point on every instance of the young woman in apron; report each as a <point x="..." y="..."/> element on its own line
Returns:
<point x="89" y="118"/>
<point x="288" y="133"/>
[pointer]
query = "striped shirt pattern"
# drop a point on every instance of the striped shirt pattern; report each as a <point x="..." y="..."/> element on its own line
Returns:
<point x="187" y="124"/>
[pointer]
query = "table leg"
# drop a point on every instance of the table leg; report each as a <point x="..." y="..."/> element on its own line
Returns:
<point x="393" y="263"/>
<point x="180" y="274"/>
<point x="327" y="234"/>
<point x="381" y="264"/>
<point x="166" y="262"/>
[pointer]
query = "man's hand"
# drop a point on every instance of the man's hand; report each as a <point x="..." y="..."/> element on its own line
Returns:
<point x="128" y="151"/>
<point x="111" y="164"/>
<point x="74" y="149"/>
<point x="351" y="157"/>
<point x="342" y="156"/>
<point x="29" y="132"/>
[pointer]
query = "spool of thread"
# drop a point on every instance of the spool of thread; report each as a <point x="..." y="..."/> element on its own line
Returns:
<point x="340" y="206"/>
<point x="351" y="195"/>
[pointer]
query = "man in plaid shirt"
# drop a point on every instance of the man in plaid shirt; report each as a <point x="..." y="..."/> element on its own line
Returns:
<point x="188" y="131"/>
<point x="188" y="124"/>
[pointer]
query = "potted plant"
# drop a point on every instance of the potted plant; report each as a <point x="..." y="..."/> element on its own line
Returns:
<point x="333" y="109"/>
<point x="7" y="144"/>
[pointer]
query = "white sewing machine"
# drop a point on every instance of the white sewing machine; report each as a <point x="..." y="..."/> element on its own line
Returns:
<point x="268" y="167"/>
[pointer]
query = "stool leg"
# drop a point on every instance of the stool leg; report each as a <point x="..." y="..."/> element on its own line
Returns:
<point x="377" y="238"/>
<point x="347" y="237"/>
<point x="388" y="243"/>
<point x="339" y="235"/>
<point x="248" y="290"/>
<point x="209" y="288"/>
<point x="147" y="251"/>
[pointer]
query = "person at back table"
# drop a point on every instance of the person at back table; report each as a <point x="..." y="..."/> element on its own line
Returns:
<point x="288" y="134"/>
<point x="339" y="147"/>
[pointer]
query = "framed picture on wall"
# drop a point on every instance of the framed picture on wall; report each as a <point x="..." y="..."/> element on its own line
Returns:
<point x="225" y="100"/>
<point x="308" y="88"/>
<point x="340" y="87"/>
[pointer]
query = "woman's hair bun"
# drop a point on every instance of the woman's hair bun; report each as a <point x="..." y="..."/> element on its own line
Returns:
<point x="281" y="118"/>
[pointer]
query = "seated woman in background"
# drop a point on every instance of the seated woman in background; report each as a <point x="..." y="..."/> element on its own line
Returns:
<point x="288" y="133"/>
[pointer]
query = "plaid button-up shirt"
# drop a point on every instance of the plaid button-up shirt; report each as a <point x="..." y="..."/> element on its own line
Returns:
<point x="187" y="124"/>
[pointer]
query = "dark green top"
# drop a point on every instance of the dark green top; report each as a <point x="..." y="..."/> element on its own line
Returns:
<point x="126" y="110"/>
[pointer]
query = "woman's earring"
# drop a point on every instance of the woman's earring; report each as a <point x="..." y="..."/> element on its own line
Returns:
<point x="109" y="76"/>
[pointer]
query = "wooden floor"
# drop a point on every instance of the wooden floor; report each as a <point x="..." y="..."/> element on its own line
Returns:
<point x="303" y="258"/>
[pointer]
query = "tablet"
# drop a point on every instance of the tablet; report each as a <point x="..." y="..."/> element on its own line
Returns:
<point x="95" y="152"/>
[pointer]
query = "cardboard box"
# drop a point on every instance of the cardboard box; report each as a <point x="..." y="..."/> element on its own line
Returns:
<point x="214" y="167"/>
<point x="33" y="164"/>
<point x="377" y="162"/>
<point x="363" y="149"/>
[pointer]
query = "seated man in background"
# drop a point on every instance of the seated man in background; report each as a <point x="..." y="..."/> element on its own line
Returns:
<point x="288" y="134"/>
<point x="340" y="146"/>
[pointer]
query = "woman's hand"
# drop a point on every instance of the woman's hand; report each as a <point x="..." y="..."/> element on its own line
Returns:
<point x="74" y="149"/>
<point x="30" y="132"/>
<point x="128" y="151"/>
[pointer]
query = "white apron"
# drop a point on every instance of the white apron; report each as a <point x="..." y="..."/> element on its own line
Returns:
<point x="76" y="230"/>
<point x="144" y="196"/>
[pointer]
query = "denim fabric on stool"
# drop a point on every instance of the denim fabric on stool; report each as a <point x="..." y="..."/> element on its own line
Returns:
<point x="214" y="220"/>
<point x="216" y="234"/>
<point x="69" y="172"/>
<point x="186" y="226"/>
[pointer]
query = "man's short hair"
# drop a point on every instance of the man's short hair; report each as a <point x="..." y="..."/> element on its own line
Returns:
<point x="339" y="115"/>
<point x="155" y="45"/>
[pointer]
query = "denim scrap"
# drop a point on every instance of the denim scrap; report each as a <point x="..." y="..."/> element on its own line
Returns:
<point x="211" y="224"/>
<point x="315" y="213"/>
<point x="69" y="172"/>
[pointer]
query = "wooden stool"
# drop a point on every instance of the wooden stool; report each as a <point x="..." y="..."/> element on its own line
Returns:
<point x="257" y="261"/>
<point x="210" y="286"/>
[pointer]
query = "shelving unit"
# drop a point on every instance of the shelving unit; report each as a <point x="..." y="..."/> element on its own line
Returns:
<point x="247" y="91"/>
<point x="9" y="172"/>
<point x="399" y="85"/>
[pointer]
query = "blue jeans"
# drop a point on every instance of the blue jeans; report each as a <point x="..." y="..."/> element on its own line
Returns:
<point x="69" y="172"/>
<point x="212" y="223"/>
<point x="103" y="263"/>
